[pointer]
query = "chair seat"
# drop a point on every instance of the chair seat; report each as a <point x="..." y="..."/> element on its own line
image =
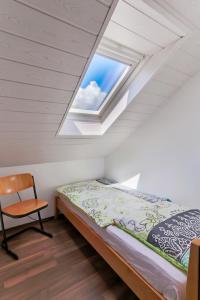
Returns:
<point x="23" y="208"/>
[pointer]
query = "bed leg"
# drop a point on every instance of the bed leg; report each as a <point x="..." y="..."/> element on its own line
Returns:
<point x="56" y="210"/>
<point x="193" y="278"/>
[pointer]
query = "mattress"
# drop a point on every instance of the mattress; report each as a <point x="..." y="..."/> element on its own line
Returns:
<point x="163" y="276"/>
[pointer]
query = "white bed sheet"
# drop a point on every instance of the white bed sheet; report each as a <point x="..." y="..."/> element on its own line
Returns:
<point x="162" y="275"/>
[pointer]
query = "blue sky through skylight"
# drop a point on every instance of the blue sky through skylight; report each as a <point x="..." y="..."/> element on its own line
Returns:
<point x="100" y="78"/>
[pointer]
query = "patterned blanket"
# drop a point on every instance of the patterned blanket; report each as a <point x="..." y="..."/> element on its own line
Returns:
<point x="164" y="226"/>
<point x="174" y="235"/>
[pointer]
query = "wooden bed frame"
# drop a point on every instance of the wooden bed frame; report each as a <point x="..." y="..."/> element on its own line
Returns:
<point x="129" y="275"/>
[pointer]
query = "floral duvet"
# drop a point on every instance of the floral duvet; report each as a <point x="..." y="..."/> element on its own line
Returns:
<point x="164" y="226"/>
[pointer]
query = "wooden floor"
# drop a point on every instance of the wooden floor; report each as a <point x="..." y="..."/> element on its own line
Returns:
<point x="62" y="268"/>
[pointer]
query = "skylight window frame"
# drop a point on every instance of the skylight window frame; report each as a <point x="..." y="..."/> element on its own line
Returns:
<point x="131" y="65"/>
<point x="115" y="88"/>
<point x="147" y="64"/>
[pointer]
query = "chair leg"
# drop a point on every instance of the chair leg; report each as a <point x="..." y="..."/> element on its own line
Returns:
<point x="3" y="231"/>
<point x="40" y="221"/>
<point x="42" y="227"/>
<point x="4" y="243"/>
<point x="9" y="252"/>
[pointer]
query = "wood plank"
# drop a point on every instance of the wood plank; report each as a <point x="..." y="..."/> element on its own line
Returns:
<point x="171" y="76"/>
<point x="156" y="14"/>
<point x="141" y="108"/>
<point x="41" y="149"/>
<point x="13" y="117"/>
<point x="120" y="136"/>
<point x="44" y="138"/>
<point x="44" y="141"/>
<point x="159" y="88"/>
<point x="15" y="104"/>
<point x="50" y="138"/>
<point x="88" y="14"/>
<point x="126" y="134"/>
<point x="27" y="127"/>
<point x="23" y="136"/>
<point x="127" y="38"/>
<point x="20" y="20"/>
<point x="186" y="14"/>
<point x="117" y="130"/>
<point x="128" y="115"/>
<point x="23" y="91"/>
<point x="105" y="2"/>
<point x="149" y="99"/>
<point x="126" y="123"/>
<point x="192" y="45"/>
<point x="29" y="154"/>
<point x="26" y="51"/>
<point x="20" y="278"/>
<point x="185" y="63"/>
<point x="143" y="25"/>
<point x="33" y="75"/>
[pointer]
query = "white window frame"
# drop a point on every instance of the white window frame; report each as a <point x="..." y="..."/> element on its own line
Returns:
<point x="123" y="55"/>
<point x="108" y="98"/>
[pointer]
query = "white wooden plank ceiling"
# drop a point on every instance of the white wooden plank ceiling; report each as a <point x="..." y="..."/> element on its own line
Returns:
<point x="44" y="47"/>
<point x="185" y="11"/>
<point x="135" y="29"/>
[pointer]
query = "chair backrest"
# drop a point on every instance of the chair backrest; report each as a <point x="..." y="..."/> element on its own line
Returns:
<point x="15" y="183"/>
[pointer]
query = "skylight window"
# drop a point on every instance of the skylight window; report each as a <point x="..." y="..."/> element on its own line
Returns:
<point x="101" y="79"/>
<point x="121" y="67"/>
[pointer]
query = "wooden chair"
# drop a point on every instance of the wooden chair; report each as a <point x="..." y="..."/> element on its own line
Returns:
<point x="14" y="184"/>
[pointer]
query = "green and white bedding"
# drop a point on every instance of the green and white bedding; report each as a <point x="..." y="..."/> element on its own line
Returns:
<point x="164" y="226"/>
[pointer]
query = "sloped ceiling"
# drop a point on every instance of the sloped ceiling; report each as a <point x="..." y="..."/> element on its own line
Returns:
<point x="45" y="46"/>
<point x="183" y="65"/>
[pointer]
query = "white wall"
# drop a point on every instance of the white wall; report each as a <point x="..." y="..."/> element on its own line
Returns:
<point x="50" y="175"/>
<point x="165" y="150"/>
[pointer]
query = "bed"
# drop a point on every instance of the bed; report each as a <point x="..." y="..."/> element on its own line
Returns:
<point x="147" y="274"/>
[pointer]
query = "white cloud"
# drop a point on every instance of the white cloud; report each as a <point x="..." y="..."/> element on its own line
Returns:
<point x="90" y="97"/>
